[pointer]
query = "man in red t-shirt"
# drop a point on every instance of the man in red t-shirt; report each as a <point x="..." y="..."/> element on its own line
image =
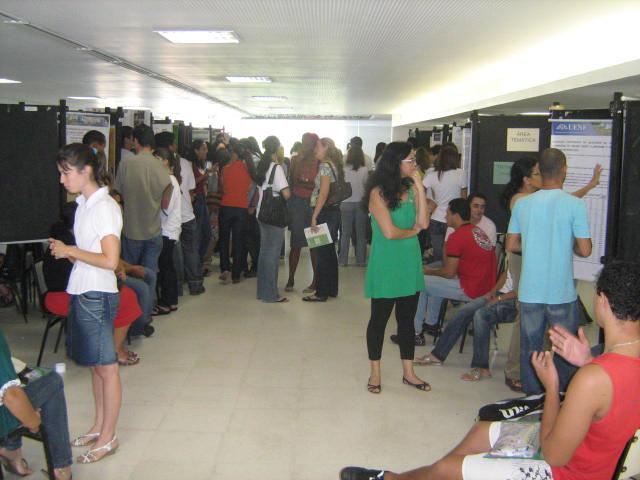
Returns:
<point x="467" y="274"/>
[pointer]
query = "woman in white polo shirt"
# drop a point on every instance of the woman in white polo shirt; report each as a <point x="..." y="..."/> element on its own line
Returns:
<point x="443" y="184"/>
<point x="93" y="289"/>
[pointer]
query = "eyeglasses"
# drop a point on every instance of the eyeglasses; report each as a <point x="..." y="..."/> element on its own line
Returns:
<point x="409" y="161"/>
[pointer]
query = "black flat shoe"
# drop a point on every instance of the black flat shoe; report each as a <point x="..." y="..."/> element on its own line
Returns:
<point x="373" y="388"/>
<point x="424" y="386"/>
<point x="313" y="298"/>
<point x="359" y="473"/>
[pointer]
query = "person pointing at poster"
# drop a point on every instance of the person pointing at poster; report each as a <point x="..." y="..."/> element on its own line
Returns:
<point x="547" y="227"/>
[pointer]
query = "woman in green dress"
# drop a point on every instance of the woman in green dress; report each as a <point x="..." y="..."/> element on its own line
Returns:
<point x="399" y="211"/>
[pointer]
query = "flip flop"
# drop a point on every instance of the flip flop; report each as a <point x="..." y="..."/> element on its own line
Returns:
<point x="427" y="360"/>
<point x="474" y="375"/>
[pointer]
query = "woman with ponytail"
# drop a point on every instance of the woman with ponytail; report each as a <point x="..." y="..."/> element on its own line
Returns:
<point x="94" y="291"/>
<point x="270" y="175"/>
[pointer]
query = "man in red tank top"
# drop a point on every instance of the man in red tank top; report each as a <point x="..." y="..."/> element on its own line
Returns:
<point x="583" y="439"/>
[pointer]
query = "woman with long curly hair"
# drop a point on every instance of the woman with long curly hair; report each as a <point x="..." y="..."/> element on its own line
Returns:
<point x="396" y="200"/>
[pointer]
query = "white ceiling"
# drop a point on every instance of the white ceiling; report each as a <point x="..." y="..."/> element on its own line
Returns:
<point x="329" y="57"/>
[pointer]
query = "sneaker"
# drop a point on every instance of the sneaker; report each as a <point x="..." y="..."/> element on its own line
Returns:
<point x="148" y="330"/>
<point x="359" y="473"/>
<point x="197" y="290"/>
<point x="419" y="340"/>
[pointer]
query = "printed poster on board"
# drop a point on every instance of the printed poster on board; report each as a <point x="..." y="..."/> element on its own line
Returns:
<point x="587" y="143"/>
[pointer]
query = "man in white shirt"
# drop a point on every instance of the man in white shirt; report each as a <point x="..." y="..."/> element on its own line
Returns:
<point x="478" y="204"/>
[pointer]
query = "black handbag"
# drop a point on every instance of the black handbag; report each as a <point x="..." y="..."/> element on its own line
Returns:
<point x="273" y="209"/>
<point x="338" y="190"/>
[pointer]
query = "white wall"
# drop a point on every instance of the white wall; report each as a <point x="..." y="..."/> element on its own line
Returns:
<point x="341" y="131"/>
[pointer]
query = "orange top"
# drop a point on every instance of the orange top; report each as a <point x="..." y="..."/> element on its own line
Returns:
<point x="236" y="183"/>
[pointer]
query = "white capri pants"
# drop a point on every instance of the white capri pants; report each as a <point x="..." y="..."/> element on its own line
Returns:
<point x="477" y="467"/>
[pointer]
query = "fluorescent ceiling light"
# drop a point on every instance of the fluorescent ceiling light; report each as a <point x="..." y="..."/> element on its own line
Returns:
<point x="267" y="98"/>
<point x="249" y="79"/>
<point x="6" y="80"/>
<point x="199" y="36"/>
<point x="85" y="98"/>
<point x="546" y="114"/>
<point x="15" y="22"/>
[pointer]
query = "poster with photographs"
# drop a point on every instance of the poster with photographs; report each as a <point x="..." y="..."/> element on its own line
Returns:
<point x="133" y="118"/>
<point x="79" y="123"/>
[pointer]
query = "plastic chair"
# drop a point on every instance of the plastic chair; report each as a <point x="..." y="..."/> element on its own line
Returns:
<point x="54" y="306"/>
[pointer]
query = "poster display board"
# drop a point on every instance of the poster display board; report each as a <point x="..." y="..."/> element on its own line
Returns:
<point x="587" y="143"/>
<point x="456" y="137"/>
<point x="79" y="123"/>
<point x="133" y="118"/>
<point x="162" y="127"/>
<point x="201" y="134"/>
<point x="436" y="138"/>
<point x="466" y="155"/>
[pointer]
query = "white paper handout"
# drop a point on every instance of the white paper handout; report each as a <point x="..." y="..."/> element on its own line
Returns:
<point x="318" y="238"/>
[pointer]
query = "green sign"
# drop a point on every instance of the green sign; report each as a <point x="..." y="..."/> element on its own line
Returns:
<point x="501" y="172"/>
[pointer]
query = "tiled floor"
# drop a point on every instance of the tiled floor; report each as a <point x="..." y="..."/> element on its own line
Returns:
<point x="233" y="389"/>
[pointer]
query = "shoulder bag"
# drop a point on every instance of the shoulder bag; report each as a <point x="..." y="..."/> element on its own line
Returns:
<point x="338" y="190"/>
<point x="273" y="209"/>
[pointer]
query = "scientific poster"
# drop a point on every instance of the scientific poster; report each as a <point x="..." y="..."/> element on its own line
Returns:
<point x="201" y="134"/>
<point x="466" y="154"/>
<point x="456" y="137"/>
<point x="162" y="127"/>
<point x="587" y="143"/>
<point x="436" y="138"/>
<point x="79" y="123"/>
<point x="133" y="118"/>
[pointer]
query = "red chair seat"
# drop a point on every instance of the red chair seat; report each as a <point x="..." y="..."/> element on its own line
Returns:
<point x="129" y="309"/>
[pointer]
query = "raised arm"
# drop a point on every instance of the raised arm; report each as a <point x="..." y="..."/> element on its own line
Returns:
<point x="593" y="183"/>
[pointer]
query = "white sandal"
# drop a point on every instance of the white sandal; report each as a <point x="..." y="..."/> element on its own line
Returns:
<point x="90" y="455"/>
<point x="85" y="440"/>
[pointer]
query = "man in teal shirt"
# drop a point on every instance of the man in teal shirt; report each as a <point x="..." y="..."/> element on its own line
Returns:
<point x="548" y="227"/>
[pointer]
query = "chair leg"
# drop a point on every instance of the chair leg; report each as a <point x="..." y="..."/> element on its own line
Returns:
<point x="63" y="327"/>
<point x="441" y="315"/>
<point x="47" y="453"/>
<point x="464" y="337"/>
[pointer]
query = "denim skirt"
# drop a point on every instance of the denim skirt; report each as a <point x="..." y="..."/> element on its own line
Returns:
<point x="90" y="328"/>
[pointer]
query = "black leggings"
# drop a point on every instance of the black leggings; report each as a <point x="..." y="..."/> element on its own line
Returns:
<point x="380" y="313"/>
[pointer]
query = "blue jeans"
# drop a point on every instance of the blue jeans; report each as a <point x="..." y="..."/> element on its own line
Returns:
<point x="271" y="241"/>
<point x="189" y="241"/>
<point x="485" y="318"/>
<point x="535" y="320"/>
<point x="456" y="327"/>
<point x="145" y="290"/>
<point x="436" y="289"/>
<point x="145" y="253"/>
<point x="353" y="216"/>
<point x="47" y="395"/>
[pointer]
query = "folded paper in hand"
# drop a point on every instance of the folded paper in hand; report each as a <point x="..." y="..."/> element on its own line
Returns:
<point x="318" y="238"/>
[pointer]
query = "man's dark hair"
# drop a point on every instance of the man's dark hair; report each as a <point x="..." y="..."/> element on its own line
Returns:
<point x="551" y="163"/>
<point x="94" y="136"/>
<point x="164" y="139"/>
<point x="476" y="195"/>
<point x="357" y="141"/>
<point x="620" y="283"/>
<point x="435" y="150"/>
<point x="461" y="207"/>
<point x="144" y="135"/>
<point x="126" y="132"/>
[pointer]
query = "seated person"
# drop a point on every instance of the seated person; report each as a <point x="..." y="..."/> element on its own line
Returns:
<point x="585" y="437"/>
<point x="40" y="402"/>
<point x="478" y="205"/>
<point x="500" y="308"/>
<point x="141" y="280"/>
<point x="469" y="269"/>
<point x="456" y="326"/>
<point x="56" y="276"/>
